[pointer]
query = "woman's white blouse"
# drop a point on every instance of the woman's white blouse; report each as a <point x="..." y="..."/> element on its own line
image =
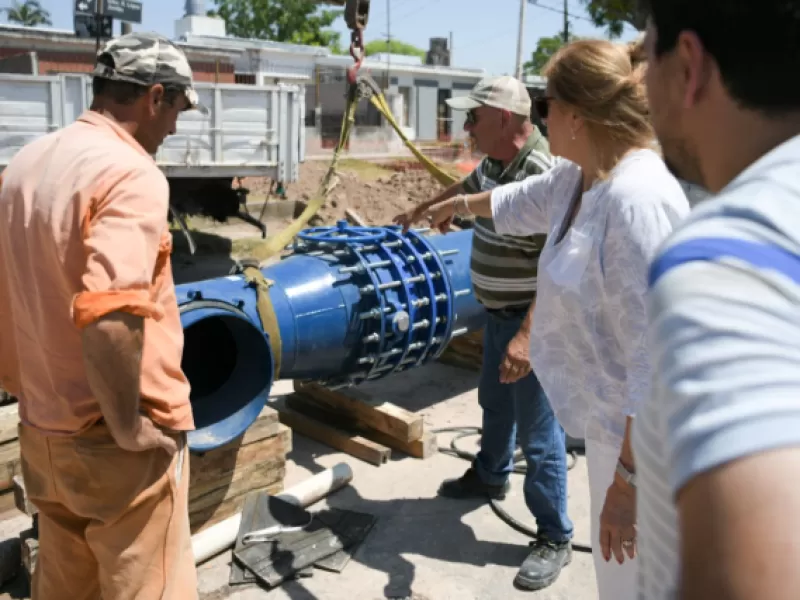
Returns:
<point x="588" y="339"/>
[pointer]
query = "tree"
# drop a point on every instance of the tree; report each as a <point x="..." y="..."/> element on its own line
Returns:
<point x="29" y="13"/>
<point x="393" y="47"/>
<point x="546" y="47"/>
<point x="293" y="21"/>
<point x="614" y="14"/>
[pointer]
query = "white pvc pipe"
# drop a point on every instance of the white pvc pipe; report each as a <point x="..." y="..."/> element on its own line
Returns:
<point x="222" y="535"/>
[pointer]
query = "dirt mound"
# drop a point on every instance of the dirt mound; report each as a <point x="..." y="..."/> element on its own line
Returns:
<point x="376" y="192"/>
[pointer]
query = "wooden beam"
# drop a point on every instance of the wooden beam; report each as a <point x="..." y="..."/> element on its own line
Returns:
<point x="425" y="447"/>
<point x="212" y="471"/>
<point x="352" y="444"/>
<point x="366" y="412"/>
<point x="21" y="497"/>
<point x="9" y="422"/>
<point x="205" y="518"/>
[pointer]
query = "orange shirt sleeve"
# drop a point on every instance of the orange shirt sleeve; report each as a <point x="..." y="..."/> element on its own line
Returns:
<point x="122" y="231"/>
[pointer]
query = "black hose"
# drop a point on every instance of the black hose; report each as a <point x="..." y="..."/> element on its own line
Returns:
<point x="519" y="467"/>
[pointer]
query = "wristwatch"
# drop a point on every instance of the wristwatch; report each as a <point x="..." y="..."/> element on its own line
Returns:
<point x="627" y="476"/>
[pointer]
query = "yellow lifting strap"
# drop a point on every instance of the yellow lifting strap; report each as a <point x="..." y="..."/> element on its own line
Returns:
<point x="379" y="101"/>
<point x="365" y="88"/>
<point x="275" y="244"/>
<point x="266" y="312"/>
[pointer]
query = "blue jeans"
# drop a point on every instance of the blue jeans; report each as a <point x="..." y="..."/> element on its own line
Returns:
<point x="520" y="412"/>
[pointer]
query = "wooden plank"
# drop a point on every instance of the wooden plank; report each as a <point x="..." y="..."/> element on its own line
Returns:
<point x="367" y="412"/>
<point x="204" y="519"/>
<point x="260" y="477"/>
<point x="425" y="447"/>
<point x="354" y="445"/>
<point x="7" y="502"/>
<point x="10" y="464"/>
<point x="224" y="461"/>
<point x="30" y="551"/>
<point x="263" y="427"/>
<point x="9" y="422"/>
<point x="206" y="485"/>
<point x="21" y="500"/>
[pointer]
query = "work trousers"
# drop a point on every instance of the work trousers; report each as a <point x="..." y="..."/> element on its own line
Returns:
<point x="113" y="524"/>
<point x="520" y="413"/>
<point x="614" y="581"/>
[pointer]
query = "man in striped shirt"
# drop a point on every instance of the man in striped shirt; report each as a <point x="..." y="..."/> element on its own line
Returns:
<point x="515" y="409"/>
<point x="718" y="445"/>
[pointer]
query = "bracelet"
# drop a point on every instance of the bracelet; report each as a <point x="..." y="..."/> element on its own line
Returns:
<point x="467" y="211"/>
<point x="626" y="475"/>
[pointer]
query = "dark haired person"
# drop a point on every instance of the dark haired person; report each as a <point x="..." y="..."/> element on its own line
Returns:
<point x="718" y="444"/>
<point x="91" y="339"/>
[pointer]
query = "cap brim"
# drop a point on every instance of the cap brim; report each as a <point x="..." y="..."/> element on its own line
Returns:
<point x="194" y="101"/>
<point x="463" y="103"/>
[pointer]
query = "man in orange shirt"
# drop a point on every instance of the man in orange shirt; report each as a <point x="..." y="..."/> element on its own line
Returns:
<point x="91" y="339"/>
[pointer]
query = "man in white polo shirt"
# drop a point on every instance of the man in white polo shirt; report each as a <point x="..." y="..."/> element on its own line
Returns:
<point x="718" y="445"/>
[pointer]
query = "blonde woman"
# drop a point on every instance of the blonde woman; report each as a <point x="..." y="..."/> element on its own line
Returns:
<point x="606" y="206"/>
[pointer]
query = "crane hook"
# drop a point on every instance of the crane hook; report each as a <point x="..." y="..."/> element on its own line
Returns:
<point x="356" y="15"/>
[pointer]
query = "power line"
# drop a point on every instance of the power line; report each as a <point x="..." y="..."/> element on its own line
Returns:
<point x="417" y="10"/>
<point x="493" y="35"/>
<point x="537" y="4"/>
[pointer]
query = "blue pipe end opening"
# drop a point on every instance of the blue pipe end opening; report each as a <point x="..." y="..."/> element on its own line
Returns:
<point x="228" y="362"/>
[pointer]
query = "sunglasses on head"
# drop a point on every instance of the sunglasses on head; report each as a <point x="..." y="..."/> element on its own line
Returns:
<point x="542" y="106"/>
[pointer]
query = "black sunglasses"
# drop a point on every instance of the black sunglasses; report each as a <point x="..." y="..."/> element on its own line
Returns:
<point x="472" y="117"/>
<point x="542" y="105"/>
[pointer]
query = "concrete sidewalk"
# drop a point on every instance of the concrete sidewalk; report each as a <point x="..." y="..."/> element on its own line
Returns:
<point x="422" y="547"/>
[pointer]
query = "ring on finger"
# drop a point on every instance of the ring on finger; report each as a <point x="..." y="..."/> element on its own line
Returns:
<point x="627" y="543"/>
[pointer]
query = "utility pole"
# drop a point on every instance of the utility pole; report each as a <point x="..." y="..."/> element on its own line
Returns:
<point x="566" y="22"/>
<point x="98" y="23"/>
<point x="388" y="41"/>
<point x="521" y="36"/>
<point x="451" y="49"/>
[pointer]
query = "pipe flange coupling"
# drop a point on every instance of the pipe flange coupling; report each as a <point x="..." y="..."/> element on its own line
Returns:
<point x="401" y="322"/>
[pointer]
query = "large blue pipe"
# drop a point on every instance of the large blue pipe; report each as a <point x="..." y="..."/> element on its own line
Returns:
<point x="351" y="305"/>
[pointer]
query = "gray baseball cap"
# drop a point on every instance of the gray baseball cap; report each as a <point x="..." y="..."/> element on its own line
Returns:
<point x="147" y="59"/>
<point x="506" y="93"/>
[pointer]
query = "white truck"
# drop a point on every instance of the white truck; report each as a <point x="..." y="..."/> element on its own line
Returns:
<point x="249" y="131"/>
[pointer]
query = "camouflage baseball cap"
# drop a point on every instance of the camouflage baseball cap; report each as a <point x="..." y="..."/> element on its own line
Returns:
<point x="506" y="93"/>
<point x="147" y="59"/>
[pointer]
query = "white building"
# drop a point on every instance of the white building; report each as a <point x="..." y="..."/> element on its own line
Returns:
<point x="415" y="91"/>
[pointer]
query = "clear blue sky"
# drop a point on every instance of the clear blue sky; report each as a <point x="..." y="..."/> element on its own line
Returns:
<point x="484" y="31"/>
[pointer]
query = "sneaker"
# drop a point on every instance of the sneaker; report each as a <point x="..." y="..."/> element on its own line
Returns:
<point x="470" y="485"/>
<point x="544" y="564"/>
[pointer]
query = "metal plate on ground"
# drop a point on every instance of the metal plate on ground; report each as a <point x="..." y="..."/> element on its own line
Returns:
<point x="328" y="542"/>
